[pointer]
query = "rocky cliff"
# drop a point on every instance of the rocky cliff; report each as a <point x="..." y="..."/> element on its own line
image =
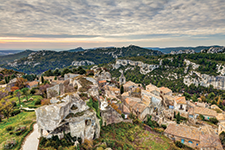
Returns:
<point x="205" y="80"/>
<point x="144" y="68"/>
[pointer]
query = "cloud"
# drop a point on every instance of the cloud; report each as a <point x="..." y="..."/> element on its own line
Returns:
<point x="111" y="18"/>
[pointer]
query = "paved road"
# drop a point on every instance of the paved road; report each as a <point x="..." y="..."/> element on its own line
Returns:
<point x="31" y="142"/>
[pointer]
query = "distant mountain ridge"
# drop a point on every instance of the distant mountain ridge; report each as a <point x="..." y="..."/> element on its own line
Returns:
<point x="79" y="49"/>
<point x="167" y="50"/>
<point x="40" y="61"/>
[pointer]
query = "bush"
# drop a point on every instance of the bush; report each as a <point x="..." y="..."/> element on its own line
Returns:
<point x="10" y="144"/>
<point x="20" y="130"/>
<point x="87" y="144"/>
<point x="163" y="126"/>
<point x="123" y="116"/>
<point x="15" y="112"/>
<point x="213" y="120"/>
<point x="9" y="128"/>
<point x="38" y="102"/>
<point x="179" y="144"/>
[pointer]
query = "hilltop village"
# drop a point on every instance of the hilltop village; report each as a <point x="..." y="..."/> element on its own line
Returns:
<point x="81" y="104"/>
<point x="75" y="109"/>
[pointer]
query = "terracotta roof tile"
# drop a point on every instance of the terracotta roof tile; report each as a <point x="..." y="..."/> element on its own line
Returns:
<point x="183" y="131"/>
<point x="32" y="83"/>
<point x="180" y="100"/>
<point x="165" y="89"/>
<point x="204" y="111"/>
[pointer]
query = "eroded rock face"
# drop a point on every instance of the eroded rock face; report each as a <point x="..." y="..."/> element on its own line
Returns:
<point x="144" y="68"/>
<point x="82" y="63"/>
<point x="205" y="80"/>
<point x="69" y="114"/>
<point x="214" y="50"/>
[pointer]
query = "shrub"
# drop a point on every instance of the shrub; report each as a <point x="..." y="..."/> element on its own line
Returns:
<point x="9" y="128"/>
<point x="123" y="116"/>
<point x="179" y="144"/>
<point x="87" y="144"/>
<point x="15" y="112"/>
<point x="45" y="102"/>
<point x="163" y="126"/>
<point x="38" y="102"/>
<point x="79" y="140"/>
<point x="131" y="138"/>
<point x="20" y="130"/>
<point x="43" y="141"/>
<point x="213" y="120"/>
<point x="10" y="144"/>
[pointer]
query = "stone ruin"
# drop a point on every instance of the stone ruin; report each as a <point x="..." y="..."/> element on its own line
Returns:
<point x="68" y="113"/>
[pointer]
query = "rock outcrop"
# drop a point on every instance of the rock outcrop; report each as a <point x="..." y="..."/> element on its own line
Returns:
<point x="82" y="63"/>
<point x="214" y="50"/>
<point x="205" y="80"/>
<point x="68" y="113"/>
<point x="187" y="51"/>
<point x="144" y="68"/>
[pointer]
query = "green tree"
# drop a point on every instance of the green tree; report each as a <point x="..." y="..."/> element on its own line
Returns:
<point x="121" y="89"/>
<point x="25" y="92"/>
<point x="194" y="98"/>
<point x="178" y="118"/>
<point x="6" y="107"/>
<point x="42" y="79"/>
<point x="18" y="93"/>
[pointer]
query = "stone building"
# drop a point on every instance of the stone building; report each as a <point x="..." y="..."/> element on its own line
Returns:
<point x="68" y="113"/>
<point x="122" y="78"/>
<point x="193" y="137"/>
<point x="180" y="104"/>
<point x="194" y="112"/>
<point x="131" y="86"/>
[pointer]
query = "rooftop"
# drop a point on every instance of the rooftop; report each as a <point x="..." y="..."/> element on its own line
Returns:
<point x="203" y="111"/>
<point x="165" y="89"/>
<point x="32" y="83"/>
<point x="180" y="100"/>
<point x="130" y="83"/>
<point x="183" y="131"/>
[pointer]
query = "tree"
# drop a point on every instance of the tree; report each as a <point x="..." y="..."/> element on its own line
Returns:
<point x="178" y="118"/>
<point x="121" y="89"/>
<point x="6" y="107"/>
<point x="222" y="138"/>
<point x="57" y="72"/>
<point x="174" y="114"/>
<point x="21" y="83"/>
<point x="211" y="95"/>
<point x="42" y="79"/>
<point x="25" y="92"/>
<point x="194" y="98"/>
<point x="81" y="70"/>
<point x="17" y="93"/>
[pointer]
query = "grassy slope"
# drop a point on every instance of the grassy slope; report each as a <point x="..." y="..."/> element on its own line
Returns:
<point x="24" y="118"/>
<point x="119" y="136"/>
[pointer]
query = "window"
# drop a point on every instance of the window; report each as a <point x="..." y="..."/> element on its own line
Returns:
<point x="182" y="141"/>
<point x="197" y="144"/>
<point x="190" y="142"/>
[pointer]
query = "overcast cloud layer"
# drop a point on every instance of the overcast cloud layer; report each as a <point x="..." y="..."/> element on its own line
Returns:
<point x="127" y="20"/>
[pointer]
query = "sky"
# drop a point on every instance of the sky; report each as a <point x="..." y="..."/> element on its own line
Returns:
<point x="67" y="24"/>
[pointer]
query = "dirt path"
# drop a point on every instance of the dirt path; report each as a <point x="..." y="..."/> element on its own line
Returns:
<point x="31" y="142"/>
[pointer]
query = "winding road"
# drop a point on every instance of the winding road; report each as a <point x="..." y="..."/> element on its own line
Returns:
<point x="31" y="141"/>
